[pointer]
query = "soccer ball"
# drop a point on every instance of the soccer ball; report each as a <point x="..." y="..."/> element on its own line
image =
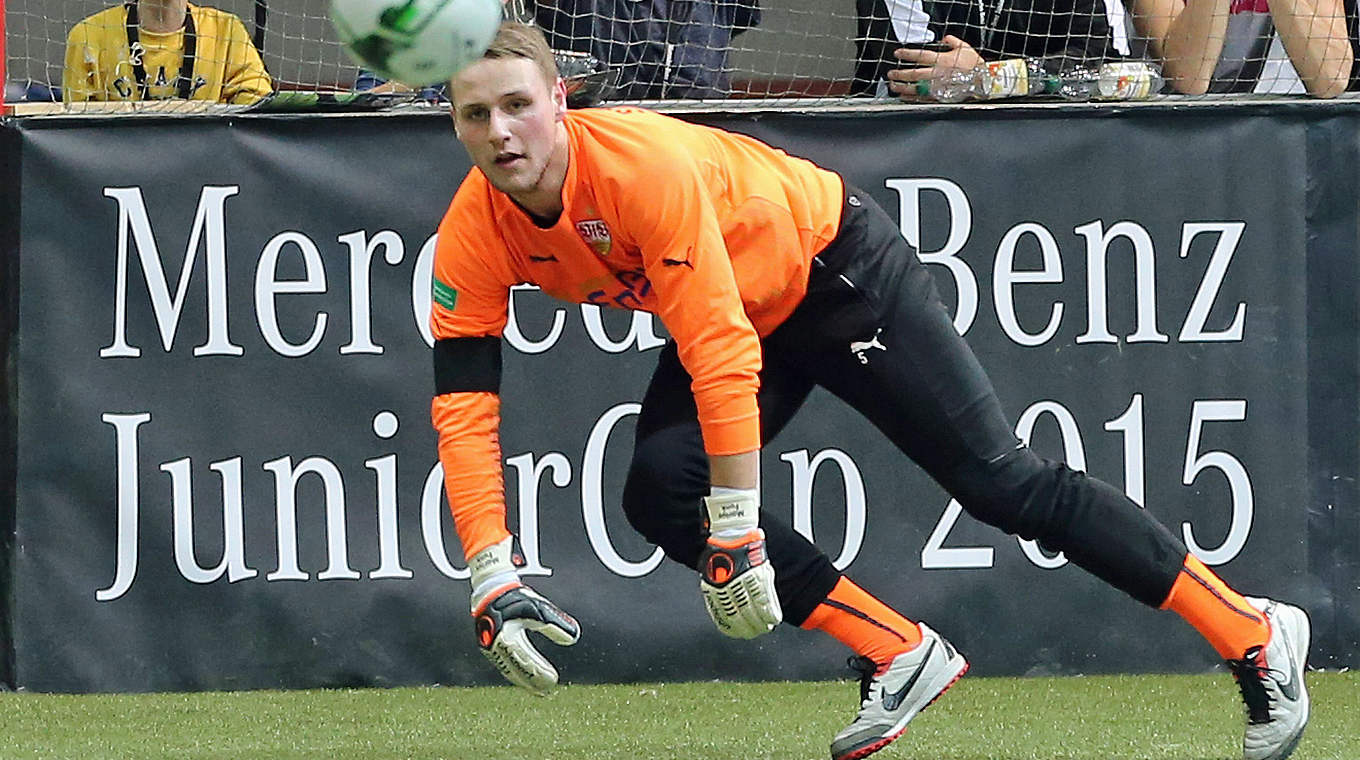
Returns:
<point x="416" y="42"/>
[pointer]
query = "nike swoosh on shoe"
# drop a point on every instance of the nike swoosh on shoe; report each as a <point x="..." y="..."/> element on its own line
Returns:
<point x="893" y="700"/>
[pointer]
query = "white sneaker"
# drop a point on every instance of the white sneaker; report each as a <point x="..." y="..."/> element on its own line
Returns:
<point x="889" y="701"/>
<point x="1271" y="681"/>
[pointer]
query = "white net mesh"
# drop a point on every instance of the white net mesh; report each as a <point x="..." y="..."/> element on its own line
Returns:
<point x="759" y="51"/>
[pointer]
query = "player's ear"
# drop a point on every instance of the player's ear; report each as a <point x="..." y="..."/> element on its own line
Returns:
<point x="559" y="95"/>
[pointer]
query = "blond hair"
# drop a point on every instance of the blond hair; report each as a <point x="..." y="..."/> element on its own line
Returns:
<point x="515" y="39"/>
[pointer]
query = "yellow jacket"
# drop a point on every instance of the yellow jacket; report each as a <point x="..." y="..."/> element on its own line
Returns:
<point x="101" y="66"/>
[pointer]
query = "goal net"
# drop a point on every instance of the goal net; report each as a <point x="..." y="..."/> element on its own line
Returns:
<point x="761" y="52"/>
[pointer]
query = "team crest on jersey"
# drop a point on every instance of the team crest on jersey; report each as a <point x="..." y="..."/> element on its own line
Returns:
<point x="596" y="235"/>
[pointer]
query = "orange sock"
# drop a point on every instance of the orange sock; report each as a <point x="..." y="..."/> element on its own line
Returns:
<point x="856" y="619"/>
<point x="1220" y="614"/>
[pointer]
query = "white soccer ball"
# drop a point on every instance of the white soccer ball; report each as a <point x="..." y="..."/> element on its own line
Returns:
<point x="416" y="42"/>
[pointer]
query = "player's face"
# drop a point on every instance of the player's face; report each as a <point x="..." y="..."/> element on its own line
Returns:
<point x="507" y="115"/>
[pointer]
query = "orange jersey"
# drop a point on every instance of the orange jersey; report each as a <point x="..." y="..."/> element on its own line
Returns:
<point x="712" y="231"/>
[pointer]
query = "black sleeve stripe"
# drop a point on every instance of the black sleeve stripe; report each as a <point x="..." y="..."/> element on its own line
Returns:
<point x="467" y="365"/>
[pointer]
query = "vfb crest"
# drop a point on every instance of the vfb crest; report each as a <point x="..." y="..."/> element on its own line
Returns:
<point x="596" y="235"/>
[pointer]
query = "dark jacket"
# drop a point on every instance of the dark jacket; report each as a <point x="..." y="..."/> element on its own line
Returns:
<point x="661" y="49"/>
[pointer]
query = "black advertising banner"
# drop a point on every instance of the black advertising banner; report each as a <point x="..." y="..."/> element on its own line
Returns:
<point x="226" y="476"/>
<point x="10" y="156"/>
<point x="1334" y="377"/>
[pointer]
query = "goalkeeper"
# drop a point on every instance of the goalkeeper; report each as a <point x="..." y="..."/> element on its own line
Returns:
<point x="772" y="276"/>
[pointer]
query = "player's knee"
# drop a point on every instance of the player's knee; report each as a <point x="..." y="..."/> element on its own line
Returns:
<point x="635" y="498"/>
<point x="1020" y="493"/>
<point x="662" y="493"/>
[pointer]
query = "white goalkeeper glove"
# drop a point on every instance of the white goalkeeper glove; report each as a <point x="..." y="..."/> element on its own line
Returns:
<point x="736" y="577"/>
<point x="505" y="610"/>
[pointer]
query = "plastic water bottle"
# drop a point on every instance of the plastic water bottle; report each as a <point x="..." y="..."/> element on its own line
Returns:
<point x="1128" y="80"/>
<point x="951" y="86"/>
<point x="1016" y="77"/>
<point x="990" y="81"/>
<point x="1079" y="83"/>
<point x="1116" y="80"/>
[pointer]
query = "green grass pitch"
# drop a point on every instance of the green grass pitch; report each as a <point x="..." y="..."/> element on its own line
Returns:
<point x="1147" y="717"/>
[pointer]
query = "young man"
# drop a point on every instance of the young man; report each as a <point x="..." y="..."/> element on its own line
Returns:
<point x="772" y="276"/>
<point x="163" y="49"/>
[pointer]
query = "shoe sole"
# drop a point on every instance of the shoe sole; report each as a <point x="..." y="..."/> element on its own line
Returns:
<point x="897" y="732"/>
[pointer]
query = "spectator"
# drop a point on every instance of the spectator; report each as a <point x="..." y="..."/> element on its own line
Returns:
<point x="163" y="49"/>
<point x="1235" y="45"/>
<point x="662" y="49"/>
<point x="896" y="43"/>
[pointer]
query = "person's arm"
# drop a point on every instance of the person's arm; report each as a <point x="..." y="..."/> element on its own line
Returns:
<point x="469" y="303"/>
<point x="699" y="302"/>
<point x="1186" y="37"/>
<point x="80" y="79"/>
<point x="670" y="216"/>
<point x="923" y="64"/>
<point x="734" y="470"/>
<point x="914" y="50"/>
<point x="244" y="79"/>
<point x="468" y="313"/>
<point x="1314" y="36"/>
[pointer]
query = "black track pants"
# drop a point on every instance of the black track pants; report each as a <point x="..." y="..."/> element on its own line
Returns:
<point x="873" y="331"/>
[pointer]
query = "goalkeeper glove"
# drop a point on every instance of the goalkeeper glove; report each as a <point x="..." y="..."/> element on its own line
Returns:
<point x="737" y="580"/>
<point x="505" y="610"/>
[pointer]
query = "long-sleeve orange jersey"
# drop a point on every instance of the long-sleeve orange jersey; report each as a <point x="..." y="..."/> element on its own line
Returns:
<point x="713" y="232"/>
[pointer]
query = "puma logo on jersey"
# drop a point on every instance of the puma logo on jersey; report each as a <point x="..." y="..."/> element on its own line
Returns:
<point x="858" y="347"/>
<point x="677" y="262"/>
<point x="680" y="261"/>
